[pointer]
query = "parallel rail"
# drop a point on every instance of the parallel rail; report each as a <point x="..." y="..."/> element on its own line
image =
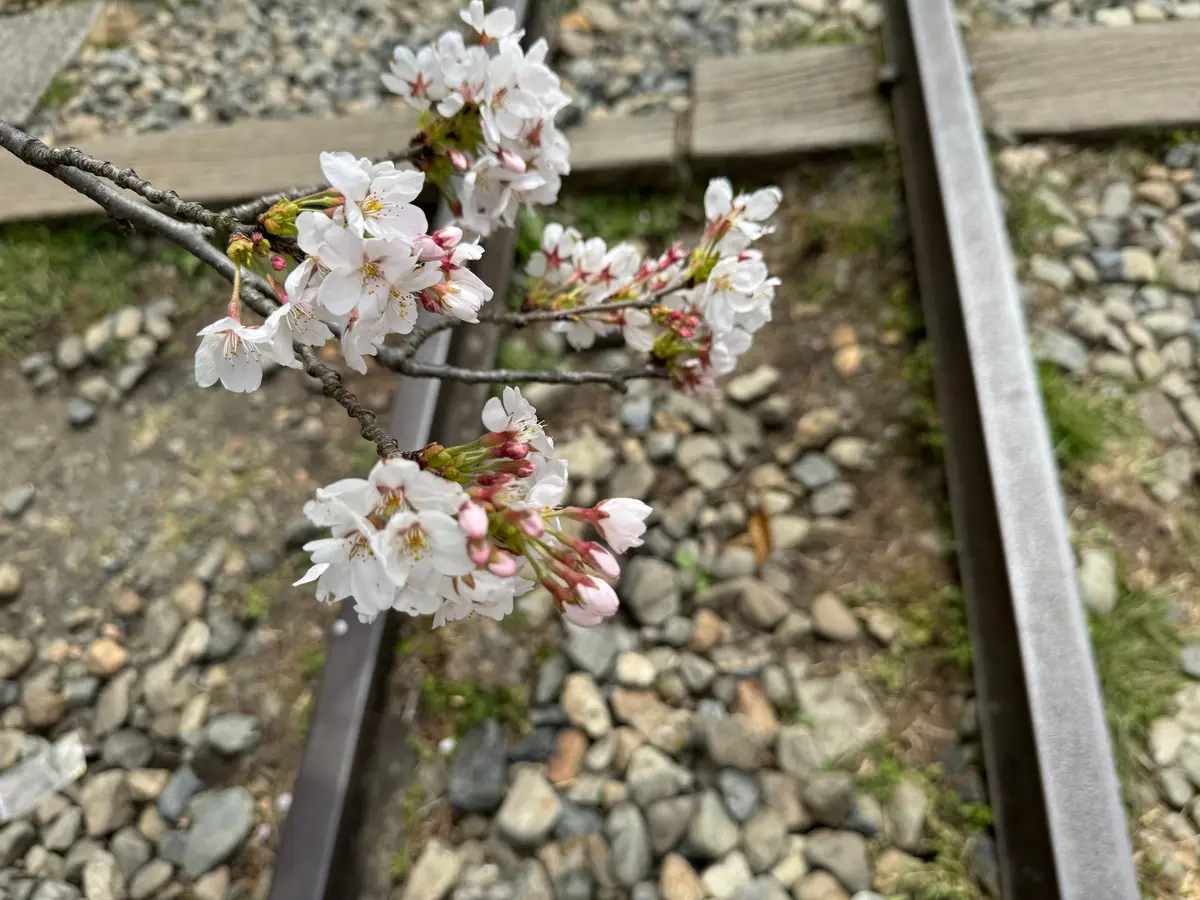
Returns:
<point x="1060" y="826"/>
<point x="1061" y="830"/>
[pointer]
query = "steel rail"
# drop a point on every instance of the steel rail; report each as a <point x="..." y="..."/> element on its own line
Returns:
<point x="314" y="860"/>
<point x="1061" y="829"/>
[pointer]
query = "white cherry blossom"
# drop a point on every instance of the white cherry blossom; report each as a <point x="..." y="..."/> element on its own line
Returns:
<point x="553" y="260"/>
<point x="745" y="213"/>
<point x="732" y="287"/>
<point x="515" y="416"/>
<point x="362" y="272"/>
<point x="232" y="353"/>
<point x="417" y="77"/>
<point x="493" y="26"/>
<point x="362" y="337"/>
<point x="622" y="521"/>
<point x="478" y="592"/>
<point x="378" y="195"/>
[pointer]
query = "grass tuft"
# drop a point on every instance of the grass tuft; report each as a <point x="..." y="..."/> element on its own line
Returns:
<point x="1029" y="221"/>
<point x="1081" y="421"/>
<point x="469" y="704"/>
<point x="1136" y="649"/>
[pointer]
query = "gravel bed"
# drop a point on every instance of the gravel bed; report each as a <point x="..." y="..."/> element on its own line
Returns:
<point x="151" y="67"/>
<point x="1109" y="257"/>
<point x="728" y="735"/>
<point x="145" y="537"/>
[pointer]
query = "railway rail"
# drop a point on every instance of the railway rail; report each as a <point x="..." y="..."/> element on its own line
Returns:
<point x="1059" y="822"/>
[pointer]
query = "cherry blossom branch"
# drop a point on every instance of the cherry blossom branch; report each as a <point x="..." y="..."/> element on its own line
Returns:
<point x="528" y="317"/>
<point x="618" y="380"/>
<point x="34" y="152"/>
<point x="247" y="213"/>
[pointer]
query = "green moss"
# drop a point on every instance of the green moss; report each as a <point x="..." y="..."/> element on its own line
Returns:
<point x="620" y="217"/>
<point x="1029" y="221"/>
<point x="60" y="89"/>
<point x="70" y="275"/>
<point x="1136" y="649"/>
<point x="469" y="704"/>
<point x="312" y="661"/>
<point x="951" y="825"/>
<point x="925" y="423"/>
<point x="933" y="630"/>
<point x="1082" y="421"/>
<point x="690" y="566"/>
<point x="256" y="603"/>
<point x="401" y="864"/>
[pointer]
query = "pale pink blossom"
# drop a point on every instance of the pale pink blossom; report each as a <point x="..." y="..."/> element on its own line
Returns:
<point x="621" y="521"/>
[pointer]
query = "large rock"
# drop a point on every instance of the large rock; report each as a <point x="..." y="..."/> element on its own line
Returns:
<point x="435" y="873"/>
<point x="843" y="854"/>
<point x="712" y="833"/>
<point x="478" y="775"/>
<point x="585" y="705"/>
<point x="843" y="713"/>
<point x="107" y="803"/>
<point x="650" y="588"/>
<point x="529" y="811"/>
<point x="219" y="829"/>
<point x="629" y="844"/>
<point x="652" y="776"/>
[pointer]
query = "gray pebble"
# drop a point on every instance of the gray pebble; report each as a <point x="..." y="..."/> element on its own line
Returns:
<point x="80" y="412"/>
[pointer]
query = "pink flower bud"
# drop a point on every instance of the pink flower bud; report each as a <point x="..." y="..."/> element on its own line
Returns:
<point x="602" y="559"/>
<point x="511" y="161"/>
<point x="479" y="552"/>
<point x="473" y="520"/>
<point x="597" y="597"/>
<point x="458" y="159"/>
<point x="503" y="566"/>
<point x="427" y="247"/>
<point x="515" y="450"/>
<point x="577" y="615"/>
<point x="278" y="263"/>
<point x="532" y="524"/>
<point x="447" y="238"/>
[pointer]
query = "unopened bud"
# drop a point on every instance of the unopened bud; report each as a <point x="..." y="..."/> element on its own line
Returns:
<point x="278" y="263"/>
<point x="458" y="159"/>
<point x="503" y="566"/>
<point x="479" y="552"/>
<point x="473" y="520"/>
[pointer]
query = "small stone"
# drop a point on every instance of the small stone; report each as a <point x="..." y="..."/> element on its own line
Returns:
<point x="102" y="878"/>
<point x="633" y="479"/>
<point x="816" y="428"/>
<point x="735" y="741"/>
<point x="1166" y="739"/>
<point x="588" y="458"/>
<point x="127" y="322"/>
<point x="569" y="749"/>
<point x="844" y="714"/>
<point x="759" y="603"/>
<point x="15" y="839"/>
<point x="842" y="853"/>
<point x="753" y="386"/>
<point x="150" y="879"/>
<point x="43" y="708"/>
<point x="10" y="581"/>
<point x="906" y="812"/>
<point x="837" y="499"/>
<point x="819" y="886"/>
<point x="740" y="793"/>
<point x="478" y="774"/>
<point x="147" y="784"/>
<point x="634" y="670"/>
<point x="595" y="649"/>
<point x="653" y="776"/>
<point x="434" y="875"/>
<point x="80" y="412"/>
<point x="829" y="797"/>
<point x="529" y="811"/>
<point x="764" y="840"/>
<point x="1176" y="789"/>
<point x="105" y="656"/>
<point x="128" y="749"/>
<point x="1050" y="271"/>
<point x="788" y="532"/>
<point x="131" y="850"/>
<point x="1137" y="265"/>
<point x="665" y="727"/>
<point x="1097" y="576"/>
<point x="15" y="652"/>
<point x="585" y="705"/>
<point x="62" y="834"/>
<point x="1149" y="364"/>
<point x="219" y="829"/>
<point x="832" y="621"/>
<point x="213" y="886"/>
<point x="678" y="880"/>
<point x="650" y="588"/>
<point x="881" y="625"/>
<point x="848" y="360"/>
<point x="1189" y="659"/>
<point x="18" y="499"/>
<point x="107" y="803"/>
<point x="814" y="470"/>
<point x="178" y="792"/>
<point x="726" y="879"/>
<point x="629" y="844"/>
<point x="232" y="733"/>
<point x="189" y="598"/>
<point x="750" y="701"/>
<point x="712" y="833"/>
<point x="112" y="709"/>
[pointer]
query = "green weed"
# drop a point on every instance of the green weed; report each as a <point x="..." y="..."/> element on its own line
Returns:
<point x="469" y="704"/>
<point x="1081" y="421"/>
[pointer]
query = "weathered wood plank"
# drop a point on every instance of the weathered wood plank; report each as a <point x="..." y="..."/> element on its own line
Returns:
<point x="217" y="164"/>
<point x="813" y="98"/>
<point x="1049" y="81"/>
<point x="33" y="47"/>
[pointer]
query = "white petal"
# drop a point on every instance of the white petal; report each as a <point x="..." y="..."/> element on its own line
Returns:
<point x="494" y="416"/>
<point x="312" y="574"/>
<point x="206" y="362"/>
<point x="344" y="174"/>
<point x="718" y="198"/>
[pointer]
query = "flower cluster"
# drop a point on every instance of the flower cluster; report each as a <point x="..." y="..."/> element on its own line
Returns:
<point x="692" y="312"/>
<point x="369" y="263"/>
<point x="487" y="126"/>
<point x="448" y="534"/>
